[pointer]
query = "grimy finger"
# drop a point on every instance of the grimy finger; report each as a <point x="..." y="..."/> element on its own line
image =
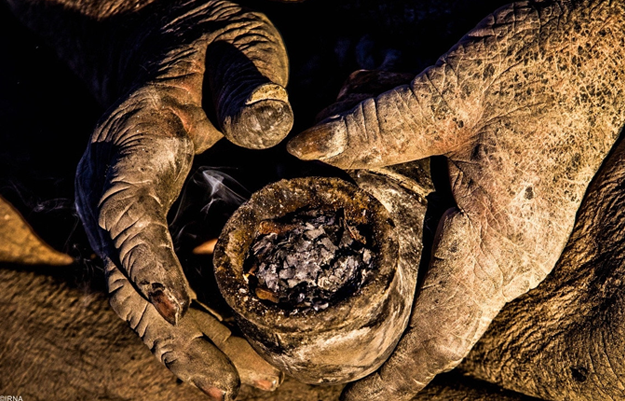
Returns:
<point x="252" y="368"/>
<point x="241" y="51"/>
<point x="141" y="153"/>
<point x="183" y="348"/>
<point x="407" y="123"/>
<point x="247" y="71"/>
<point x="441" y="111"/>
<point x="131" y="173"/>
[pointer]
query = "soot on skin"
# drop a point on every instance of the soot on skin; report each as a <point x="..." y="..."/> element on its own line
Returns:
<point x="309" y="259"/>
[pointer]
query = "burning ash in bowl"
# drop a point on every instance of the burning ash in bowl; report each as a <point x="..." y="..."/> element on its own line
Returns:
<point x="309" y="259"/>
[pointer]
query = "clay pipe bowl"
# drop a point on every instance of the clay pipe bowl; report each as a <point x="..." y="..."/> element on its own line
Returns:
<point x="354" y="335"/>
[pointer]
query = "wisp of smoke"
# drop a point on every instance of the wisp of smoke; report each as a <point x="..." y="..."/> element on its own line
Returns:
<point x="209" y="197"/>
<point x="220" y="187"/>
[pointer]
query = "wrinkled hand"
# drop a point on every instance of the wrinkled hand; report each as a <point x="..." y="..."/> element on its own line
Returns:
<point x="141" y="152"/>
<point x="525" y="108"/>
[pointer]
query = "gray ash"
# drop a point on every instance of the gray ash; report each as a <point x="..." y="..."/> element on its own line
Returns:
<point x="309" y="259"/>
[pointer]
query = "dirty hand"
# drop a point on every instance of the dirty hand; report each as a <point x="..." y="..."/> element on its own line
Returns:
<point x="141" y="152"/>
<point x="525" y="108"/>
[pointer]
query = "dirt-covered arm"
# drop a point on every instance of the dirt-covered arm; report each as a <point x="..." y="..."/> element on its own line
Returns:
<point x="525" y="107"/>
<point x="564" y="339"/>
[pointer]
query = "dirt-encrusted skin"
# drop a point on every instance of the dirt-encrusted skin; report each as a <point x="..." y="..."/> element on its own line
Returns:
<point x="20" y="244"/>
<point x="525" y="107"/>
<point x="564" y="339"/>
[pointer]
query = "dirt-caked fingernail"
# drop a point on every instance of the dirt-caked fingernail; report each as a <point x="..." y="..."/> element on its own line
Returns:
<point x="318" y="143"/>
<point x="166" y="305"/>
<point x="266" y="385"/>
<point x="268" y="120"/>
<point x="214" y="393"/>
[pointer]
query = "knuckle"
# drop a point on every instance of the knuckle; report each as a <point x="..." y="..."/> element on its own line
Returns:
<point x="116" y="205"/>
<point x="167" y="343"/>
<point x="121" y="300"/>
<point x="178" y="353"/>
<point x="165" y="350"/>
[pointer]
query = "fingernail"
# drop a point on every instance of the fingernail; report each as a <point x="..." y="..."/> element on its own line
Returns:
<point x="261" y="124"/>
<point x="166" y="305"/>
<point x="318" y="143"/>
<point x="273" y="120"/>
<point x="263" y="120"/>
<point x="214" y="393"/>
<point x="268" y="91"/>
<point x="266" y="385"/>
